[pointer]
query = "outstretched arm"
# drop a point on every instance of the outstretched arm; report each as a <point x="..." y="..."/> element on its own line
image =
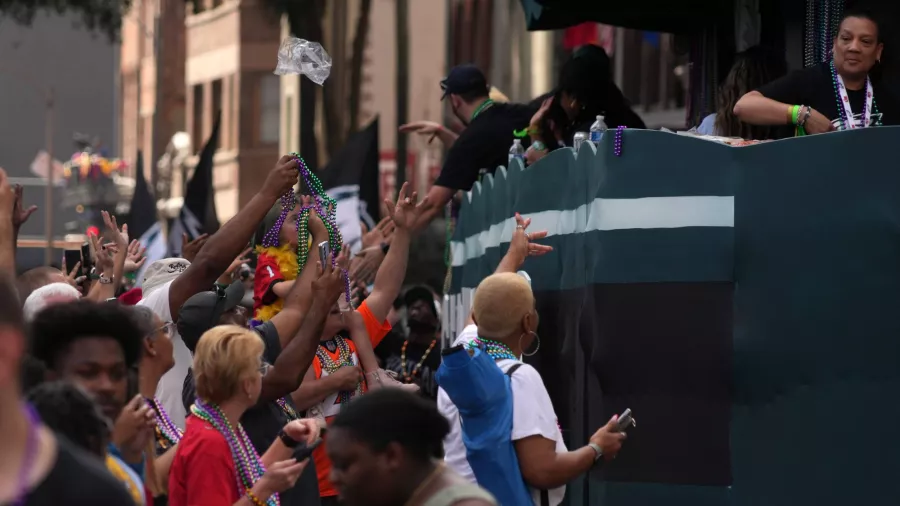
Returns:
<point x="389" y="279"/>
<point x="222" y="248"/>
<point x="287" y="371"/>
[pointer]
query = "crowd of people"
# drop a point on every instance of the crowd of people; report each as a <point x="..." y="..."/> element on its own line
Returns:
<point x="179" y="395"/>
<point x="315" y="378"/>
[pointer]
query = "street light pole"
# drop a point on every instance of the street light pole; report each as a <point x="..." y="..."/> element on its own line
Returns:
<point x="48" y="195"/>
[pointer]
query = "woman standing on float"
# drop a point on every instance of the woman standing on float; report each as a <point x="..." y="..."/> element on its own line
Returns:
<point x="838" y="94"/>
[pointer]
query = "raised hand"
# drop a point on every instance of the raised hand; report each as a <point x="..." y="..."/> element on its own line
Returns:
<point x="72" y="277"/>
<point x="136" y="256"/>
<point x="365" y="264"/>
<point x="134" y="428"/>
<point x="521" y="247"/>
<point x="282" y="178"/>
<point x="405" y="213"/>
<point x="380" y="234"/>
<point x="7" y="197"/>
<point x="119" y="237"/>
<point x="422" y="128"/>
<point x="20" y="214"/>
<point x="103" y="259"/>
<point x="330" y="283"/>
<point x="189" y="249"/>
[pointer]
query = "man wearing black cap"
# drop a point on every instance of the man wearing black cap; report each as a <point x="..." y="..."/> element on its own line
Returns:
<point x="416" y="356"/>
<point x="485" y="142"/>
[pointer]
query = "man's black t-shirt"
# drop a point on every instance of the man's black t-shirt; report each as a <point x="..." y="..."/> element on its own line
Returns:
<point x="390" y="351"/>
<point x="814" y="87"/>
<point x="263" y="422"/>
<point x="78" y="479"/>
<point x="484" y="144"/>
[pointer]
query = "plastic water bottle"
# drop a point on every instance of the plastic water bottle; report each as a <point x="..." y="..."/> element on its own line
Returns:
<point x="598" y="129"/>
<point x="517" y="151"/>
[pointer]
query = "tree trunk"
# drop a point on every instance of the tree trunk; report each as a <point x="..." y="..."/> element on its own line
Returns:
<point x="356" y="63"/>
<point x="402" y="86"/>
<point x="305" y="20"/>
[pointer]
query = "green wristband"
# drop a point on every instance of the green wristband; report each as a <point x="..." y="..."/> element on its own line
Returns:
<point x="795" y="112"/>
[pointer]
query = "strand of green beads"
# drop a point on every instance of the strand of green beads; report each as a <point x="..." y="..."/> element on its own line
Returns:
<point x="302" y="240"/>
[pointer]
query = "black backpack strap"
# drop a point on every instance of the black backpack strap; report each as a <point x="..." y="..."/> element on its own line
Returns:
<point x="511" y="370"/>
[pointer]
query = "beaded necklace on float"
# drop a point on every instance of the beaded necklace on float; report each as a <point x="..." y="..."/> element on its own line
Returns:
<point x="408" y="377"/>
<point x="331" y="365"/>
<point x="249" y="468"/>
<point x="495" y="349"/>
<point x="167" y="433"/>
<point x="845" y="112"/>
<point x="823" y="17"/>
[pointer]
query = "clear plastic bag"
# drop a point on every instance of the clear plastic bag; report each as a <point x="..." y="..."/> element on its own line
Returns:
<point x="299" y="56"/>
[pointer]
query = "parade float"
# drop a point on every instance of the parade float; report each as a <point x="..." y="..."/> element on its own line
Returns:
<point x="93" y="183"/>
<point x="739" y="297"/>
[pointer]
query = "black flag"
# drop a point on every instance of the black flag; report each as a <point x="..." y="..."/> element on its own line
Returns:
<point x="198" y="214"/>
<point x="143" y="222"/>
<point x="351" y="178"/>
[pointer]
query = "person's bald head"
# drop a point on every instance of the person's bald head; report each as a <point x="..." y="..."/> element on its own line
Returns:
<point x="35" y="278"/>
<point x="504" y="306"/>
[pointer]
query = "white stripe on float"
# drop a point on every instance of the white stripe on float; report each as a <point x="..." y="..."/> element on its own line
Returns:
<point x="605" y="215"/>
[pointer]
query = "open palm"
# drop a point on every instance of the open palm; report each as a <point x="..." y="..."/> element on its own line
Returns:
<point x="405" y="212"/>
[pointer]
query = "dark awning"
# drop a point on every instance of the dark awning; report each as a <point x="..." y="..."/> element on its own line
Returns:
<point x="651" y="15"/>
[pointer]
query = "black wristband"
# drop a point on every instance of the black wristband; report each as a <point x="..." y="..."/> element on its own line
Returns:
<point x="287" y="440"/>
<point x="385" y="247"/>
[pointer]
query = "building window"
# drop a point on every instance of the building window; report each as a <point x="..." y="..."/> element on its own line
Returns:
<point x="197" y="117"/>
<point x="269" y="109"/>
<point x="217" y="110"/>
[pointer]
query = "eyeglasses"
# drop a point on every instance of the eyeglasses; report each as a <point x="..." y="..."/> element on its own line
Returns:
<point x="264" y="368"/>
<point x="168" y="329"/>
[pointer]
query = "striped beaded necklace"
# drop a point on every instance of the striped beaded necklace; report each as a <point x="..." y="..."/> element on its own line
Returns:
<point x="495" y="349"/>
<point x="331" y="365"/>
<point x="246" y="460"/>
<point x="167" y="433"/>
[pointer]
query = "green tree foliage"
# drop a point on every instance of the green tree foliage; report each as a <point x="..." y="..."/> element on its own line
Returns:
<point x="104" y="16"/>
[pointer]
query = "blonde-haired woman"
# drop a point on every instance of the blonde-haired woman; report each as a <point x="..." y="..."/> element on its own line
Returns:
<point x="504" y="323"/>
<point x="215" y="463"/>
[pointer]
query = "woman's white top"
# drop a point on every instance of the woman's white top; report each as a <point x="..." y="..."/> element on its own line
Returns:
<point x="533" y="415"/>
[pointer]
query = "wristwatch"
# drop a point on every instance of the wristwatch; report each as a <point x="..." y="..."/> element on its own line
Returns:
<point x="597" y="451"/>
<point x="288" y="440"/>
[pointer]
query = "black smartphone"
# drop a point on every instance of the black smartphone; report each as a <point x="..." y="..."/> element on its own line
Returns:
<point x="73" y="256"/>
<point x="625" y="421"/>
<point x="304" y="451"/>
<point x="87" y="262"/>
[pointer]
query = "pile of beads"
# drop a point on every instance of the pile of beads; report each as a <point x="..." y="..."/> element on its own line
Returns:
<point x="617" y="142"/>
<point x="246" y="460"/>
<point x="495" y="349"/>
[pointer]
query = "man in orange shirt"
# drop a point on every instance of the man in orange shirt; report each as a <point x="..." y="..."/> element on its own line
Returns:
<point x="335" y="376"/>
